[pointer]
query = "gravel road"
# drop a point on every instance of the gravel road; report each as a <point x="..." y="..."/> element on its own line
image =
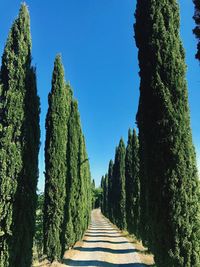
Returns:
<point x="104" y="245"/>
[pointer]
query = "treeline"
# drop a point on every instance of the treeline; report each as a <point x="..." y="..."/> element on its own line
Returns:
<point x="158" y="196"/>
<point x="121" y="186"/>
<point x="65" y="214"/>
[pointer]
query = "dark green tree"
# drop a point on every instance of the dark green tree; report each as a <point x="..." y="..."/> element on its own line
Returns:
<point x="19" y="145"/>
<point x="86" y="186"/>
<point x="132" y="183"/>
<point x="55" y="163"/>
<point x="103" y="195"/>
<point x="197" y="28"/>
<point x="110" y="190"/>
<point x="105" y="190"/>
<point x="129" y="182"/>
<point x="74" y="133"/>
<point x="169" y="182"/>
<point x="93" y="194"/>
<point x="119" y="193"/>
<point x="136" y="184"/>
<point x="79" y="196"/>
<point x="97" y="197"/>
<point x="38" y="239"/>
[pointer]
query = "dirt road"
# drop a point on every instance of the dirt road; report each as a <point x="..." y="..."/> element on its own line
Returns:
<point x="104" y="245"/>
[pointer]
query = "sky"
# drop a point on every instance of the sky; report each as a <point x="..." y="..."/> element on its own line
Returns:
<point x="96" y="41"/>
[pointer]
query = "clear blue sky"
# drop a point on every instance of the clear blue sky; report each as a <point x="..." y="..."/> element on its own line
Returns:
<point x="95" y="38"/>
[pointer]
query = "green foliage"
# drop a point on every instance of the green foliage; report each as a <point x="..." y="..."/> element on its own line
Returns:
<point x="73" y="175"/>
<point x="104" y="183"/>
<point x="169" y="186"/>
<point x="97" y="196"/>
<point x="196" y="30"/>
<point x="119" y="193"/>
<point x="103" y="194"/>
<point x="19" y="144"/>
<point x="38" y="239"/>
<point x="78" y="187"/>
<point x="132" y="183"/>
<point x="110" y="191"/>
<point x="68" y="197"/>
<point x="93" y="193"/>
<point x="55" y="163"/>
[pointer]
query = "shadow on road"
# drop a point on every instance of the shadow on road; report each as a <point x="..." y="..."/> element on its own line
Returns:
<point x="101" y="263"/>
<point x="102" y="229"/>
<point x="109" y="250"/>
<point x="102" y="233"/>
<point x="105" y="241"/>
<point x="110" y="236"/>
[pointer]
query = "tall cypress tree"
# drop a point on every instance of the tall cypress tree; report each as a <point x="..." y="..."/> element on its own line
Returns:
<point x="103" y="195"/>
<point x="197" y="28"/>
<point x="136" y="183"/>
<point x="55" y="163"/>
<point x="129" y="182"/>
<point x="19" y="145"/>
<point x="85" y="197"/>
<point x="132" y="183"/>
<point x="119" y="193"/>
<point x="170" y="182"/>
<point x="78" y="202"/>
<point x="73" y="176"/>
<point x="106" y="195"/>
<point x="93" y="196"/>
<point x="110" y="190"/>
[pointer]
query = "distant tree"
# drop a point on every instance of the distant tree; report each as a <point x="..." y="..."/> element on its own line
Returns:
<point x="103" y="194"/>
<point x="106" y="195"/>
<point x="132" y="183"/>
<point x="38" y="239"/>
<point x="55" y="163"/>
<point x="119" y="193"/>
<point x="197" y="28"/>
<point x="93" y="183"/>
<point x="169" y="182"/>
<point x="93" y="194"/>
<point x="97" y="194"/>
<point x="19" y="146"/>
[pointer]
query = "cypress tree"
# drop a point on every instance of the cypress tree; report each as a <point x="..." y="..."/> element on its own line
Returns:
<point x="129" y="182"/>
<point x="19" y="144"/>
<point x="119" y="193"/>
<point x="86" y="200"/>
<point x="132" y="183"/>
<point x="106" y="195"/>
<point x="136" y="183"/>
<point x="55" y="163"/>
<point x="88" y="194"/>
<point x="196" y="30"/>
<point x="78" y="203"/>
<point x="103" y="195"/>
<point x="110" y="190"/>
<point x="93" y="193"/>
<point x="78" y="199"/>
<point x="169" y="181"/>
<point x="73" y="171"/>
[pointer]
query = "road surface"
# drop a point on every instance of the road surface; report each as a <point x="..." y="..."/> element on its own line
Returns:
<point x="104" y="245"/>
